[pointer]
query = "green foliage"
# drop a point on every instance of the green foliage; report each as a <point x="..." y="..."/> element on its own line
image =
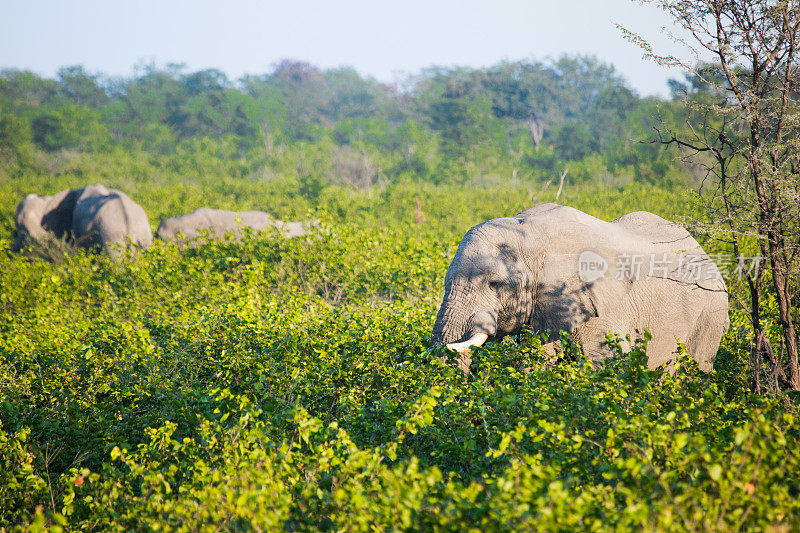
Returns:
<point x="520" y="121"/>
<point x="16" y="147"/>
<point x="49" y="134"/>
<point x="269" y="383"/>
<point x="81" y="87"/>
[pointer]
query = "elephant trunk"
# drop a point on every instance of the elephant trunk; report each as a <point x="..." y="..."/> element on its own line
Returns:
<point x="457" y="322"/>
<point x="450" y="326"/>
<point x="28" y="231"/>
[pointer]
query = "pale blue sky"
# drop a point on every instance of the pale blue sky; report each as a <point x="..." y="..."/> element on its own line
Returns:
<point x="381" y="39"/>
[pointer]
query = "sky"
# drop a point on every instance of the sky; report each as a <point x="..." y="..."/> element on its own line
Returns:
<point x="386" y="40"/>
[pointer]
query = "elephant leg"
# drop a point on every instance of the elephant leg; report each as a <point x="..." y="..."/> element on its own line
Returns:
<point x="705" y="337"/>
<point x="551" y="349"/>
<point x="661" y="348"/>
<point x="661" y="351"/>
<point x="592" y="334"/>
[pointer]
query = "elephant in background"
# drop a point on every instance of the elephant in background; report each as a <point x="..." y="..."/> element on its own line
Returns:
<point x="217" y="222"/>
<point x="95" y="217"/>
<point x="37" y="217"/>
<point x="555" y="268"/>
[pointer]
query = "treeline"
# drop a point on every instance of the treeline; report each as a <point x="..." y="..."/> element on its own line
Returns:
<point x="523" y="121"/>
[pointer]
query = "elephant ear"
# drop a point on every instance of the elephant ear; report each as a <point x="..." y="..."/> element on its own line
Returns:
<point x="28" y="209"/>
<point x="59" y="211"/>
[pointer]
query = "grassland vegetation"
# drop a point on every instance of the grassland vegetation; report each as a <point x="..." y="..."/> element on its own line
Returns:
<point x="269" y="383"/>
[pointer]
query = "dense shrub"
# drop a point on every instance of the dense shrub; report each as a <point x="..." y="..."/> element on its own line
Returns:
<point x="269" y="383"/>
<point x="266" y="383"/>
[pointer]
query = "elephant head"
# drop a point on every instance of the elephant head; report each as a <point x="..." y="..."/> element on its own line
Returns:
<point x="489" y="287"/>
<point x="30" y="212"/>
<point x="37" y="216"/>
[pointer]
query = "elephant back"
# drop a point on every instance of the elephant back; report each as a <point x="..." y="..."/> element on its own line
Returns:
<point x="217" y="222"/>
<point x="661" y="233"/>
<point x="103" y="217"/>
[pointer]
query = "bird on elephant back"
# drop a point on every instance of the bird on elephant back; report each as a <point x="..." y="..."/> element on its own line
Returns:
<point x="553" y="268"/>
<point x="94" y="217"/>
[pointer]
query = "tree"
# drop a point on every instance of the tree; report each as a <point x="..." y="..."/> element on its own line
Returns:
<point x="27" y="88"/>
<point x="304" y="95"/>
<point x="573" y="141"/>
<point x="746" y="135"/>
<point x="49" y="134"/>
<point x="81" y="88"/>
<point x="152" y="95"/>
<point x="354" y="97"/>
<point x="16" y="151"/>
<point x="523" y="92"/>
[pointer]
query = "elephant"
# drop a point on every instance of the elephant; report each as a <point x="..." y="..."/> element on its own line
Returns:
<point x="550" y="268"/>
<point x="94" y="216"/>
<point x="40" y="216"/>
<point x="218" y="222"/>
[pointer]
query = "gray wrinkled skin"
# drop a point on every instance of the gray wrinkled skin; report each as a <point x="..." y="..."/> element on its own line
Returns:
<point x="106" y="218"/>
<point x="523" y="270"/>
<point x="95" y="217"/>
<point x="39" y="215"/>
<point x="217" y="222"/>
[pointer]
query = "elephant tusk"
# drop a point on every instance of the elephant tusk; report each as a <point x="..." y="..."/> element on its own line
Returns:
<point x="477" y="340"/>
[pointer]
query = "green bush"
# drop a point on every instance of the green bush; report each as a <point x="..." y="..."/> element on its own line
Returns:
<point x="269" y="383"/>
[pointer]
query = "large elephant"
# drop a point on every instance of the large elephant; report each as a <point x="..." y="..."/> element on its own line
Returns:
<point x="217" y="222"/>
<point x="555" y="268"/>
<point x="94" y="216"/>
